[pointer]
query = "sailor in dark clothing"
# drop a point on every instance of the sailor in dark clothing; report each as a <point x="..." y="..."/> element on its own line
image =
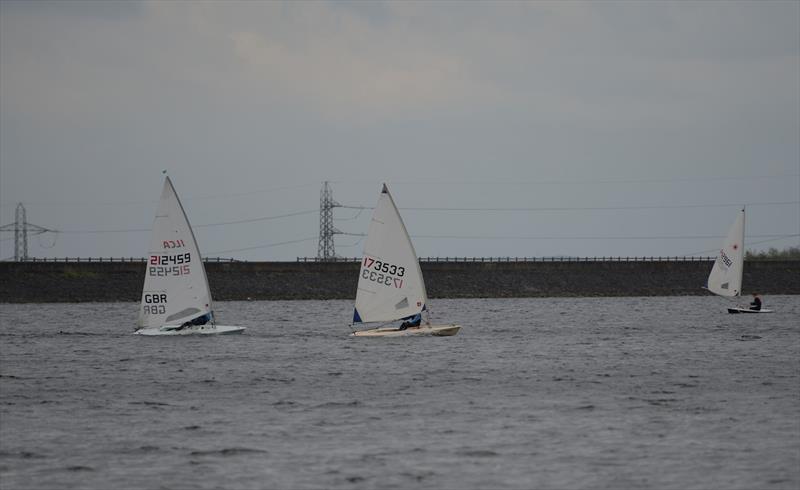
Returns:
<point x="413" y="321"/>
<point x="756" y="303"/>
<point x="200" y="320"/>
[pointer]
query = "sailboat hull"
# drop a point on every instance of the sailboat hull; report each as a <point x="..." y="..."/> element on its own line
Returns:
<point x="431" y="330"/>
<point x="172" y="330"/>
<point x="747" y="310"/>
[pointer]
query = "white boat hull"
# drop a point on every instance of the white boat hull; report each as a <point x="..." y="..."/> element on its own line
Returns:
<point x="748" y="310"/>
<point x="192" y="330"/>
<point x="434" y="330"/>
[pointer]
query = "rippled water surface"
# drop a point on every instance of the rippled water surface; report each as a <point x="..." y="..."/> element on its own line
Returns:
<point x="548" y="393"/>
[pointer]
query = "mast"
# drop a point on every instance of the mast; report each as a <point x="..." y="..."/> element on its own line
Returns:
<point x="741" y="256"/>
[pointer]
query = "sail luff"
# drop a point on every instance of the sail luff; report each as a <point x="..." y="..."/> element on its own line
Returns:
<point x="411" y="246"/>
<point x="196" y="245"/>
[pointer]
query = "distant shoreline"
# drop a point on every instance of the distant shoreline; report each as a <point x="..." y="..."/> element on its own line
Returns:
<point x="59" y="282"/>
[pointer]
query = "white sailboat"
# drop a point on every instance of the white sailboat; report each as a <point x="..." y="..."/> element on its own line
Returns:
<point x="725" y="278"/>
<point x="390" y="283"/>
<point x="176" y="299"/>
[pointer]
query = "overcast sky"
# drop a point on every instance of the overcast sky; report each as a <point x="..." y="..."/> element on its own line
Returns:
<point x="529" y="120"/>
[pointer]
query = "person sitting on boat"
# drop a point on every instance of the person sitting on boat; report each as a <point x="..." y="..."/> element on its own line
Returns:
<point x="756" y="304"/>
<point x="200" y="320"/>
<point x="412" y="321"/>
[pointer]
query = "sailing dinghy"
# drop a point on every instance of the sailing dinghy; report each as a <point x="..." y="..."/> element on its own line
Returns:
<point x="390" y="283"/>
<point x="176" y="299"/>
<point x="725" y="278"/>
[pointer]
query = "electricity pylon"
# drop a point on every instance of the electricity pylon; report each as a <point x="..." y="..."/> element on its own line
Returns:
<point x="21" y="229"/>
<point x="326" y="249"/>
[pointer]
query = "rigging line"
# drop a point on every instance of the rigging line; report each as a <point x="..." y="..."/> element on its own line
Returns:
<point x="679" y="237"/>
<point x="266" y="245"/>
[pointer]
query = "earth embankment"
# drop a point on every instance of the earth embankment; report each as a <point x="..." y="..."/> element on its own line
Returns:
<point x="39" y="282"/>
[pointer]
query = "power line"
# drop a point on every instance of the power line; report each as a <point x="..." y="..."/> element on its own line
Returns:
<point x="447" y="209"/>
<point x="586" y="208"/>
<point x="426" y="182"/>
<point x="523" y="237"/>
<point x="223" y="223"/>
<point x="746" y="244"/>
<point x="605" y="208"/>
<point x="249" y="193"/>
<point x="771" y="239"/>
<point x="253" y="220"/>
<point x="266" y="245"/>
<point x="351" y="218"/>
<point x="129" y="230"/>
<point x="352" y="244"/>
<point x="152" y="201"/>
<point x="589" y="208"/>
<point x="581" y="182"/>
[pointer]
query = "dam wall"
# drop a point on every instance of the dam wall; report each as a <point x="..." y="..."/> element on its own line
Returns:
<point x="41" y="282"/>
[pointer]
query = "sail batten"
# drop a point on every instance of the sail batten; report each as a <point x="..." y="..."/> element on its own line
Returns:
<point x="390" y="283"/>
<point x="725" y="278"/>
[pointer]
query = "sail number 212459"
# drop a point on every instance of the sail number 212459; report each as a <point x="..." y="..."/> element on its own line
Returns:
<point x="169" y="265"/>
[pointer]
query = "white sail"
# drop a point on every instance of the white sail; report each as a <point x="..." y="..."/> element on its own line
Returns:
<point x="725" y="278"/>
<point x="175" y="284"/>
<point x="390" y="284"/>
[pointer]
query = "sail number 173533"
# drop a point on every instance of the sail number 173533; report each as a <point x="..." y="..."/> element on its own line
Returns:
<point x="382" y="272"/>
<point x="385" y="267"/>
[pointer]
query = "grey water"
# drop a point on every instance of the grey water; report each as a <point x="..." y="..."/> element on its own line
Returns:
<point x="661" y="393"/>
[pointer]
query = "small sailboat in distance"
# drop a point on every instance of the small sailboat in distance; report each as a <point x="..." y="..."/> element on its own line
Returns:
<point x="725" y="278"/>
<point x="390" y="283"/>
<point x="176" y="299"/>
